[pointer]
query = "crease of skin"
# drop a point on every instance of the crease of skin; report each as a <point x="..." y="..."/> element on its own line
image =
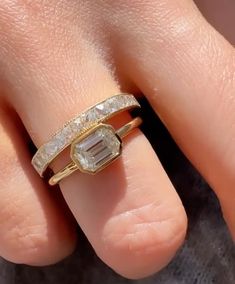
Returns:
<point x="157" y="205"/>
<point x="138" y="229"/>
<point x="142" y="221"/>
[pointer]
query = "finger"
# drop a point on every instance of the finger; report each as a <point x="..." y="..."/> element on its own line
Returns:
<point x="130" y="212"/>
<point x="191" y="85"/>
<point x="137" y="218"/>
<point x="33" y="228"/>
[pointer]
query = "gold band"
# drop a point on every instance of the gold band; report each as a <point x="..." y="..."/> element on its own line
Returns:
<point x="72" y="167"/>
<point x="98" y="113"/>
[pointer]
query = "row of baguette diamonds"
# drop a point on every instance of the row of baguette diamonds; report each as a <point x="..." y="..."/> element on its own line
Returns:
<point x="64" y="137"/>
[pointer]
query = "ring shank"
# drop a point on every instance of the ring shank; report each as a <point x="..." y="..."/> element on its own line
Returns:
<point x="72" y="167"/>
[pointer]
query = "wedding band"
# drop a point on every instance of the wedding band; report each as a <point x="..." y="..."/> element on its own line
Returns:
<point x="95" y="149"/>
<point x="79" y="125"/>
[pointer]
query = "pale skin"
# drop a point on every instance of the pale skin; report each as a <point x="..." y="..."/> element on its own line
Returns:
<point x="58" y="58"/>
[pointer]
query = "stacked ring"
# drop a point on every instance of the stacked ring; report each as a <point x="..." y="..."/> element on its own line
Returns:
<point x="94" y="145"/>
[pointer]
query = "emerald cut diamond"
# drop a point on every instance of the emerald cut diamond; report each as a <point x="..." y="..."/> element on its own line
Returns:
<point x="97" y="149"/>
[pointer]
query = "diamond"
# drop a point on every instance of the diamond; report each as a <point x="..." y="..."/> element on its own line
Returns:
<point x="62" y="138"/>
<point x="86" y="120"/>
<point x="97" y="149"/>
<point x="93" y="114"/>
<point x="76" y="125"/>
<point x="111" y="105"/>
<point x="39" y="161"/>
<point x="101" y="110"/>
<point x="51" y="147"/>
<point x="126" y="100"/>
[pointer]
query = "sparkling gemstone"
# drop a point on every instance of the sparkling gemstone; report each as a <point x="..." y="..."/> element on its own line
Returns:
<point x="92" y="115"/>
<point x="62" y="138"/>
<point x="97" y="149"/>
<point x="126" y="100"/>
<point x="111" y="105"/>
<point x="101" y="110"/>
<point x="86" y="120"/>
<point x="76" y="125"/>
<point x="51" y="147"/>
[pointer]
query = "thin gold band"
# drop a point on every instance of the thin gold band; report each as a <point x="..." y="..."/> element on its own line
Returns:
<point x="72" y="167"/>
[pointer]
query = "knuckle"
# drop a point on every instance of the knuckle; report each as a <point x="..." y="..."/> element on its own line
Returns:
<point x="166" y="23"/>
<point x="22" y="25"/>
<point x="14" y="23"/>
<point x="34" y="31"/>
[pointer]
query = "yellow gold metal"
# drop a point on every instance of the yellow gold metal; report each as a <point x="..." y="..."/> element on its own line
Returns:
<point x="91" y="117"/>
<point x="72" y="167"/>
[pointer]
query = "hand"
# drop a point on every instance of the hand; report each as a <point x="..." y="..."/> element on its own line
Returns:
<point x="58" y="58"/>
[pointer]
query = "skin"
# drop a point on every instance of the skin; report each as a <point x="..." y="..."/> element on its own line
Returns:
<point x="58" y="58"/>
